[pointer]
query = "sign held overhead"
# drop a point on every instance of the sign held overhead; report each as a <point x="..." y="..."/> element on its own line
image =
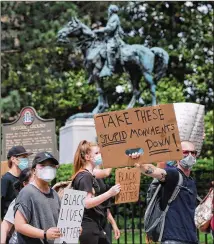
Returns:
<point x="151" y="130"/>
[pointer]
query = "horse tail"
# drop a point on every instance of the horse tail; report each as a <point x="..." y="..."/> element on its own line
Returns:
<point x="161" y="63"/>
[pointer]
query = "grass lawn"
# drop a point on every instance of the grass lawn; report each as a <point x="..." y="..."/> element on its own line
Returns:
<point x="137" y="238"/>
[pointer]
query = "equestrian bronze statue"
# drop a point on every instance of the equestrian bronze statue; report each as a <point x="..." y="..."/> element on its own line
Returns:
<point x="106" y="53"/>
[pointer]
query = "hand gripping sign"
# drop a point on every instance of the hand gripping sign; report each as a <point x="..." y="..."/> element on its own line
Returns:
<point x="150" y="130"/>
<point x="70" y="216"/>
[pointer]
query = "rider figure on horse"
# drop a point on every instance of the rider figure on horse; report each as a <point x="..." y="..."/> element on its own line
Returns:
<point x="113" y="34"/>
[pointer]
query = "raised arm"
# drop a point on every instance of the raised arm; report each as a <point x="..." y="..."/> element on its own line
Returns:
<point x="102" y="173"/>
<point x="149" y="169"/>
<point x="152" y="171"/>
<point x="91" y="201"/>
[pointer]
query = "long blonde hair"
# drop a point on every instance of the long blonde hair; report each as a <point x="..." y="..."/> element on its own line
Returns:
<point x="83" y="148"/>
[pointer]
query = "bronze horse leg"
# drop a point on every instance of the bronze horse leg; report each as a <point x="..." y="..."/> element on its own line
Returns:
<point x="102" y="101"/>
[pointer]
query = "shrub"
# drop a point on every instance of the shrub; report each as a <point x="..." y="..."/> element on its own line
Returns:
<point x="203" y="164"/>
<point x="64" y="172"/>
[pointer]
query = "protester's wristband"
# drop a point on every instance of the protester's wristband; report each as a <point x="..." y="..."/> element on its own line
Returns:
<point x="45" y="235"/>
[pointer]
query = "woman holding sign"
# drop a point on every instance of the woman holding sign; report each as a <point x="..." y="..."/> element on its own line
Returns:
<point x="109" y="220"/>
<point x="87" y="157"/>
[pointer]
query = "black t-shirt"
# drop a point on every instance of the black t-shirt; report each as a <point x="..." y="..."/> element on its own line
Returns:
<point x="8" y="193"/>
<point x="104" y="188"/>
<point x="105" y="205"/>
<point x="85" y="181"/>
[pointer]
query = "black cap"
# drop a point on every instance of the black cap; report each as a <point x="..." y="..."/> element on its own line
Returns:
<point x="17" y="151"/>
<point x="43" y="156"/>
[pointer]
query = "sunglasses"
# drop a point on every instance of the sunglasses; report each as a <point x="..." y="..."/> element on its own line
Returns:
<point x="187" y="152"/>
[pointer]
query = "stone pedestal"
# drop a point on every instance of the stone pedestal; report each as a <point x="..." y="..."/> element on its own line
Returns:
<point x="71" y="134"/>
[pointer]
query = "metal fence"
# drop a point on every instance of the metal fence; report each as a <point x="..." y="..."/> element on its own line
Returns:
<point x="129" y="216"/>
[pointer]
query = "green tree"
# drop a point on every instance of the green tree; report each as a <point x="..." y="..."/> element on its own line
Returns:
<point x="37" y="71"/>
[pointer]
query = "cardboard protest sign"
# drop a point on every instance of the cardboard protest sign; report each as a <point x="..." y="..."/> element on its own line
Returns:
<point x="129" y="179"/>
<point x="4" y="167"/>
<point x="152" y="129"/>
<point x="190" y="121"/>
<point x="70" y="216"/>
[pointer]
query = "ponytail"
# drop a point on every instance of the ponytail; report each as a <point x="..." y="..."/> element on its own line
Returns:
<point x="84" y="148"/>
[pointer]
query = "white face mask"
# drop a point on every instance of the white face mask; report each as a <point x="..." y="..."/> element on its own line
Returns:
<point x="46" y="173"/>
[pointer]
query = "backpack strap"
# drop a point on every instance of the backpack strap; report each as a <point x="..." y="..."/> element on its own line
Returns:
<point x="154" y="195"/>
<point x="198" y="198"/>
<point x="177" y="188"/>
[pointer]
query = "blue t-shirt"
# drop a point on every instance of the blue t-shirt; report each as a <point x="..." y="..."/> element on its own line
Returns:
<point x="179" y="223"/>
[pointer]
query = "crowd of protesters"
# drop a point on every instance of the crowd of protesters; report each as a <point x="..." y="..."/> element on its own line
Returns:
<point x="30" y="206"/>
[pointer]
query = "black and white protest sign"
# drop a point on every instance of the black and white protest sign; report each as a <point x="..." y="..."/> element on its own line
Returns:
<point x="70" y="217"/>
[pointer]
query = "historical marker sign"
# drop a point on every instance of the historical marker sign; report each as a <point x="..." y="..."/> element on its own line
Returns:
<point x="153" y="130"/>
<point x="30" y="131"/>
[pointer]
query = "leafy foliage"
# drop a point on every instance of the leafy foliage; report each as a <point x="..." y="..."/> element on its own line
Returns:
<point x="38" y="72"/>
<point x="64" y="172"/>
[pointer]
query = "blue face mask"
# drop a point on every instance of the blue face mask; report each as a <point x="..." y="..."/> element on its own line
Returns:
<point x="98" y="160"/>
<point x="171" y="163"/>
<point x="23" y="163"/>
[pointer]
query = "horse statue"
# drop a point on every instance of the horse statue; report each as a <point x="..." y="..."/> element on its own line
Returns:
<point x="136" y="60"/>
